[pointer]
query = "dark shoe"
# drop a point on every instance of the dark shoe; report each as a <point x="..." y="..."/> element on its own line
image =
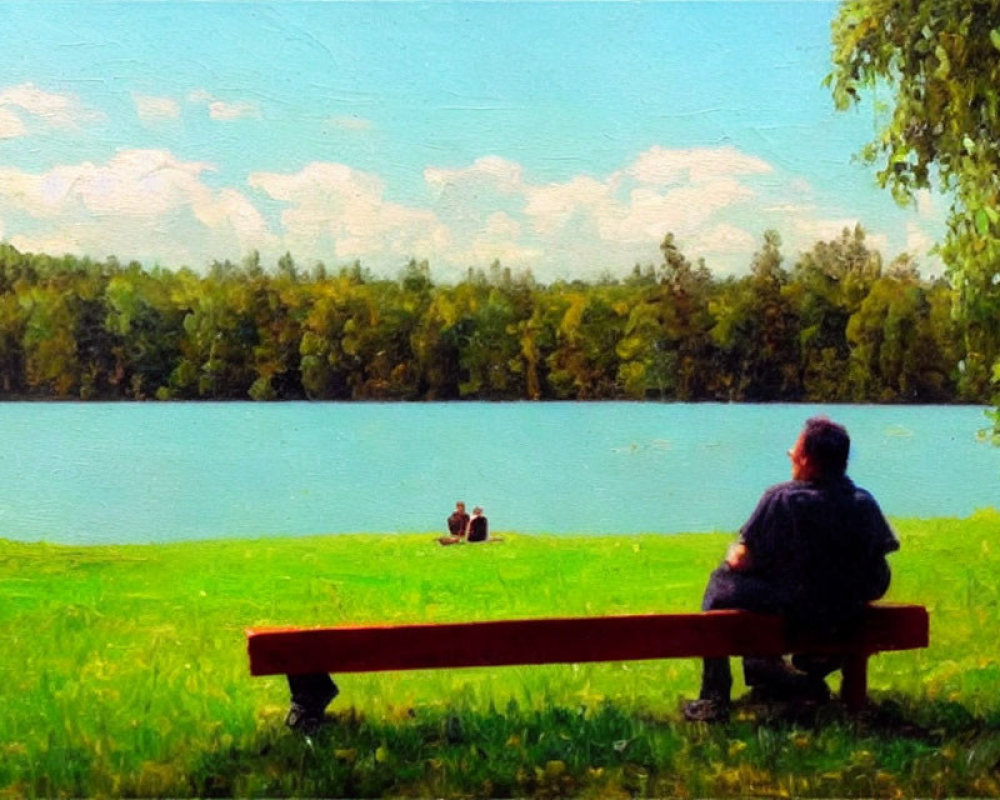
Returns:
<point x="706" y="710"/>
<point x="789" y="686"/>
<point x="817" y="666"/>
<point x="774" y="679"/>
<point x="771" y="671"/>
<point x="805" y="690"/>
<point x="303" y="720"/>
<point x="816" y="690"/>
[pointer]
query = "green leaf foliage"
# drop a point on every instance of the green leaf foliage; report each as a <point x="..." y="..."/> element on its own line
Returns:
<point x="938" y="60"/>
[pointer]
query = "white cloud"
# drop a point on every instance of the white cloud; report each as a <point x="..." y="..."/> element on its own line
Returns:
<point x="488" y="173"/>
<point x="589" y="223"/>
<point x="223" y="110"/>
<point x="500" y="238"/>
<point x="350" y="123"/>
<point x="556" y="205"/>
<point x="800" y="186"/>
<point x="683" y="210"/>
<point x="918" y="241"/>
<point x="502" y="226"/>
<point x="152" y="205"/>
<point x="670" y="193"/>
<point x="35" y="101"/>
<point x="332" y="204"/>
<point x="56" y="244"/>
<point x="805" y="231"/>
<point x="11" y="125"/>
<point x="919" y="244"/>
<point x="135" y="183"/>
<point x="880" y="242"/>
<point x="723" y="238"/>
<point x="789" y="208"/>
<point x="925" y="203"/>
<point x="153" y="109"/>
<point x="56" y="110"/>
<point x="490" y="210"/>
<point x="143" y="204"/>
<point x="662" y="167"/>
<point x="822" y="229"/>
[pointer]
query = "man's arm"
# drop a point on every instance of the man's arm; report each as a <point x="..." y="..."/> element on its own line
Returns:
<point x="754" y="536"/>
<point x="881" y="542"/>
<point x="738" y="557"/>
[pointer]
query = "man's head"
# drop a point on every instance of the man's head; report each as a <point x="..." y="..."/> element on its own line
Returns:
<point x="477" y="512"/>
<point x="821" y="451"/>
<point x="460" y="507"/>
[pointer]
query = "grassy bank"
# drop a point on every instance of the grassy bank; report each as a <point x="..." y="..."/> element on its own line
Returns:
<point x="124" y="674"/>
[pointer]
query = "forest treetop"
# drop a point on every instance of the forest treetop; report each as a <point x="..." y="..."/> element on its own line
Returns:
<point x="836" y="325"/>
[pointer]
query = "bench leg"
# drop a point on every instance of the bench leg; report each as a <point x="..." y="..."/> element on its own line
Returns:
<point x="854" y="688"/>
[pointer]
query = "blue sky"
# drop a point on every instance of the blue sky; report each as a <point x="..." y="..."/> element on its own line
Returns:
<point x="564" y="137"/>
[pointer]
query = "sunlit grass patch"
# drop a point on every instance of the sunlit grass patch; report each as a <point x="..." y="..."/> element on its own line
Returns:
<point x="124" y="673"/>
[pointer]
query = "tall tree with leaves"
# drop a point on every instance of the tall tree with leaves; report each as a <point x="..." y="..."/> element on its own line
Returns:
<point x="756" y="330"/>
<point x="687" y="321"/>
<point x="940" y="62"/>
<point x="828" y="285"/>
<point x="895" y="355"/>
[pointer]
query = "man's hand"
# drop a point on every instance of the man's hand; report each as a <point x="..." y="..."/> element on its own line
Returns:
<point x="738" y="557"/>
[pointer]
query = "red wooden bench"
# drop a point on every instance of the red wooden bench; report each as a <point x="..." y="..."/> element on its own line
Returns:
<point x="372" y="648"/>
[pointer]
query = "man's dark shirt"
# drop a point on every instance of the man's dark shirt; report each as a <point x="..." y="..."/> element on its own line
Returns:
<point x="457" y="522"/>
<point x="821" y="547"/>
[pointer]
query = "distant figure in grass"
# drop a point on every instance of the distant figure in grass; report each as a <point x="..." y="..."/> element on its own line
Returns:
<point x="815" y="551"/>
<point x="458" y="522"/>
<point x="458" y="525"/>
<point x="478" y="530"/>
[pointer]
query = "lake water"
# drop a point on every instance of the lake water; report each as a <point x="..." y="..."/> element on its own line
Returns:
<point x="116" y="473"/>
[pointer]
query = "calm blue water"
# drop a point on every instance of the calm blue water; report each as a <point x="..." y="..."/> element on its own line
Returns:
<point x="103" y="473"/>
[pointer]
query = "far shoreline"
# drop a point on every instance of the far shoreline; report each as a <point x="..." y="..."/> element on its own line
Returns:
<point x="432" y="536"/>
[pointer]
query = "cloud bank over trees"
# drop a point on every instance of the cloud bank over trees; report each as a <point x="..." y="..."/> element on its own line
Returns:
<point x="158" y="207"/>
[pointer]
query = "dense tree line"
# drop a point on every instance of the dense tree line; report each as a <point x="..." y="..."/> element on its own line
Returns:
<point x="838" y="325"/>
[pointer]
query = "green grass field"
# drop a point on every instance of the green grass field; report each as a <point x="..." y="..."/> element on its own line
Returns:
<point x="124" y="674"/>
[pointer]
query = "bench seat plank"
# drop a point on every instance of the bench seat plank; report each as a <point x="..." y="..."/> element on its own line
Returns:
<point x="290" y="651"/>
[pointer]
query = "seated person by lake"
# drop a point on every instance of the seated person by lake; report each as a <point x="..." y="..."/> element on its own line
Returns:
<point x="458" y="521"/>
<point x="814" y="551"/>
<point x="478" y="526"/>
<point x="458" y="524"/>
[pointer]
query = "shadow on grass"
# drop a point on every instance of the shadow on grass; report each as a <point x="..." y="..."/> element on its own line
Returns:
<point x="917" y="748"/>
<point x="929" y="721"/>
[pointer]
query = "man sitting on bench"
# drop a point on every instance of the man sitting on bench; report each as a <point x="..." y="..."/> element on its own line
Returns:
<point x="813" y="550"/>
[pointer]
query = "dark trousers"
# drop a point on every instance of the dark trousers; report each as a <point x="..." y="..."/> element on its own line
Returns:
<point x="312" y="692"/>
<point x="728" y="588"/>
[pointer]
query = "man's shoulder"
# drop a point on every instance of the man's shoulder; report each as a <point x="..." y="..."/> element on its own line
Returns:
<point x="842" y="490"/>
<point x="786" y="489"/>
<point x="863" y="495"/>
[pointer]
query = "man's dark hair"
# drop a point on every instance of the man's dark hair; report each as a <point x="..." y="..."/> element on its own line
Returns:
<point x="827" y="445"/>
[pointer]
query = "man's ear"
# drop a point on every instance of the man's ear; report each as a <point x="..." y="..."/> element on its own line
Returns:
<point x="809" y="468"/>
